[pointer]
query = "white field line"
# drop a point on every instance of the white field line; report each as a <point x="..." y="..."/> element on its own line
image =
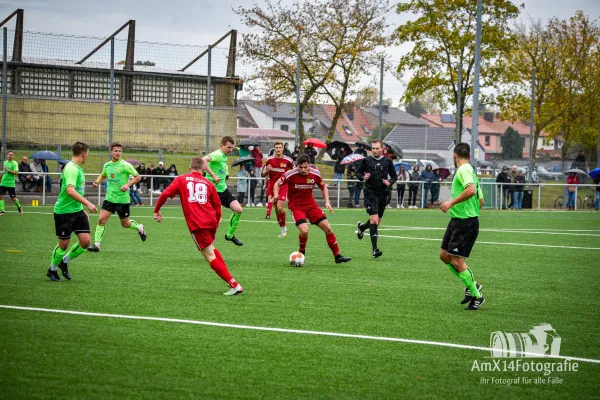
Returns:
<point x="296" y="331"/>
<point x="498" y="243"/>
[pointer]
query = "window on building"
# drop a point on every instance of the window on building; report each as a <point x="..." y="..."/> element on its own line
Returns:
<point x="347" y="130"/>
<point x="365" y="129"/>
<point x="285" y="128"/>
<point x="487" y="140"/>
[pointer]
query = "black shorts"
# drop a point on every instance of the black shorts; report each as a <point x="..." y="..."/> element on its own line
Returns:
<point x="375" y="203"/>
<point x="227" y="198"/>
<point x="460" y="236"/>
<point x="121" y="209"/>
<point x="9" y="190"/>
<point x="66" y="224"/>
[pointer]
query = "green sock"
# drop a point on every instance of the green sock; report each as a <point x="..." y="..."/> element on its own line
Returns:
<point x="99" y="234"/>
<point x="18" y="205"/>
<point x="451" y="267"/>
<point x="57" y="256"/>
<point x="467" y="277"/>
<point x="233" y="223"/>
<point x="1" y="205"/>
<point x="134" y="225"/>
<point x="75" y="252"/>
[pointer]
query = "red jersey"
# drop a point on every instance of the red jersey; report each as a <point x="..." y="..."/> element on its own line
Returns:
<point x="279" y="166"/>
<point x="199" y="200"/>
<point x="300" y="187"/>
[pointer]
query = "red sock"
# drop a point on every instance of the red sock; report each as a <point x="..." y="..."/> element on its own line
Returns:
<point x="332" y="243"/>
<point x="221" y="269"/>
<point x="219" y="256"/>
<point x="269" y="208"/>
<point x="303" y="241"/>
<point x="281" y="219"/>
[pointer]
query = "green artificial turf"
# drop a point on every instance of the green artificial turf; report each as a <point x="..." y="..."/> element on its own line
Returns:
<point x="407" y="293"/>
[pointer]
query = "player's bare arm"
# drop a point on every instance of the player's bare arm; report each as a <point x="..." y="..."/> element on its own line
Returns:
<point x="326" y="197"/>
<point x="98" y="181"/>
<point x="207" y="159"/>
<point x="129" y="184"/>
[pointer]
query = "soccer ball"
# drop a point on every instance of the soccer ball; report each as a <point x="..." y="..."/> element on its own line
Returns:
<point x="296" y="259"/>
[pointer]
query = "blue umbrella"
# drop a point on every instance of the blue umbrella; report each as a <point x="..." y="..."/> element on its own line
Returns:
<point x="46" y="155"/>
<point x="594" y="173"/>
<point x="397" y="165"/>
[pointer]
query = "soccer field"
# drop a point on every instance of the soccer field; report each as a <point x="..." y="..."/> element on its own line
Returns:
<point x="373" y="328"/>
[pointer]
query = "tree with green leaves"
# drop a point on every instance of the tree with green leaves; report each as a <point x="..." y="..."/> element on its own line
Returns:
<point x="415" y="108"/>
<point x="512" y="145"/>
<point x="443" y="34"/>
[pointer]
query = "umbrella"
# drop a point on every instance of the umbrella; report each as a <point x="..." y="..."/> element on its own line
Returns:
<point x="594" y="173"/>
<point x="444" y="172"/>
<point x="46" y="155"/>
<point x="575" y="170"/>
<point x="407" y="166"/>
<point x="133" y="161"/>
<point x="316" y="143"/>
<point x="433" y="164"/>
<point x="248" y="142"/>
<point x="395" y="148"/>
<point x="352" y="158"/>
<point x="361" y="143"/>
<point x="242" y="160"/>
<point x="333" y="148"/>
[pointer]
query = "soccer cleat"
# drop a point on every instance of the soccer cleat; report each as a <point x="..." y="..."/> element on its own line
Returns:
<point x="359" y="233"/>
<point x="141" y="232"/>
<point x="234" y="291"/>
<point x="283" y="232"/>
<point x="377" y="253"/>
<point x="93" y="248"/>
<point x="235" y="240"/>
<point x="20" y="211"/>
<point x="468" y="296"/>
<point x="2" y="213"/>
<point x="53" y="275"/>
<point x="475" y="303"/>
<point x="341" y="259"/>
<point x="259" y="205"/>
<point x="65" y="270"/>
<point x="267" y="216"/>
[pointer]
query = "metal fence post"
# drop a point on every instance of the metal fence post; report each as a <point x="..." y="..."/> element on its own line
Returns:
<point x="43" y="186"/>
<point x="4" y="91"/>
<point x="421" y="188"/>
<point x="575" y="201"/>
<point x="539" y="196"/>
<point x="208" y="99"/>
<point x="297" y="139"/>
<point x="111" y="92"/>
<point x="151" y="189"/>
<point x="338" y="193"/>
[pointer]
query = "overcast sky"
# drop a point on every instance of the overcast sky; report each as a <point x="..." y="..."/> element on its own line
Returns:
<point x="200" y="22"/>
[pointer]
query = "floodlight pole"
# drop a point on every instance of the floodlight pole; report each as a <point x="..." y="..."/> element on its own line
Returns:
<point x="4" y="95"/>
<point x="458" y="136"/>
<point x="379" y="131"/>
<point x="297" y="139"/>
<point x="531" y="123"/>
<point x="208" y="99"/>
<point x="475" y="126"/>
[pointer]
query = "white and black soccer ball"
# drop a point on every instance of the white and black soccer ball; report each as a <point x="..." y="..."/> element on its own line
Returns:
<point x="296" y="259"/>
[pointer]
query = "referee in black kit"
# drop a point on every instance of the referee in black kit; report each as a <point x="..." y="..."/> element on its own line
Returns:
<point x="379" y="175"/>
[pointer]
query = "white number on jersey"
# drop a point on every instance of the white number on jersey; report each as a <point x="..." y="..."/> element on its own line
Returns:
<point x="197" y="192"/>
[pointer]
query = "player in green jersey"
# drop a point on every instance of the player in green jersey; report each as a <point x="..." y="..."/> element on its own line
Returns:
<point x="216" y="166"/>
<point x="69" y="216"/>
<point x="117" y="200"/>
<point x="462" y="231"/>
<point x="7" y="184"/>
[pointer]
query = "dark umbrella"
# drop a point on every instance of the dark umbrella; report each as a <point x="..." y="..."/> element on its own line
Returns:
<point x="133" y="161"/>
<point x="361" y="143"/>
<point x="46" y="155"/>
<point x="352" y="158"/>
<point x="444" y="172"/>
<point x="594" y="173"/>
<point x="242" y="160"/>
<point x="395" y="148"/>
<point x="248" y="142"/>
<point x="333" y="148"/>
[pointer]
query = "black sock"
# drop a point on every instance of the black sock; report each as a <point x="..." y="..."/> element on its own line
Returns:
<point x="373" y="231"/>
<point x="365" y="226"/>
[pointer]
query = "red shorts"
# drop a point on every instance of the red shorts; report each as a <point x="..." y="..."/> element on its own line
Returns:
<point x="204" y="237"/>
<point x="312" y="214"/>
<point x="282" y="190"/>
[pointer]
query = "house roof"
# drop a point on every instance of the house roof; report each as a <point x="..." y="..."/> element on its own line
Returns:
<point x="268" y="133"/>
<point x="343" y="121"/>
<point x="245" y="115"/>
<point x="498" y="127"/>
<point x="277" y="111"/>
<point x="421" y="138"/>
<point x="359" y="120"/>
<point x="395" y="116"/>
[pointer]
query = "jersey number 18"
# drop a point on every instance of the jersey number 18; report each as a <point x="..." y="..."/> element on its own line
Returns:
<point x="197" y="192"/>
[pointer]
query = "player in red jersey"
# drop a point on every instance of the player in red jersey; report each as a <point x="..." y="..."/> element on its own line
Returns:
<point x="202" y="211"/>
<point x="301" y="181"/>
<point x="274" y="168"/>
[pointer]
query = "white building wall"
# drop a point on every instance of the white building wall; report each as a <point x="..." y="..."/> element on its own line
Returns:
<point x="262" y="120"/>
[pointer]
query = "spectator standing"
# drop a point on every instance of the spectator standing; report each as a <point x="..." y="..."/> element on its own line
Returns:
<point x="24" y="177"/>
<point x="572" y="180"/>
<point x="403" y="177"/>
<point x="519" y="187"/>
<point x="339" y="168"/>
<point x="172" y="174"/>
<point x="242" y="183"/>
<point x="597" y="182"/>
<point x="435" y="186"/>
<point x="36" y="169"/>
<point x="580" y="161"/>
<point x="427" y="176"/>
<point x="258" y="164"/>
<point x="47" y="178"/>
<point x="511" y="189"/>
<point x="253" y="183"/>
<point x="351" y="176"/>
<point x="310" y="151"/>
<point x="286" y="150"/>
<point x="504" y="178"/>
<point x="296" y="153"/>
<point x="413" y="188"/>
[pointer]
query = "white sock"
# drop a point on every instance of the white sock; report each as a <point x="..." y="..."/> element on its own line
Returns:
<point x="97" y="244"/>
<point x="67" y="259"/>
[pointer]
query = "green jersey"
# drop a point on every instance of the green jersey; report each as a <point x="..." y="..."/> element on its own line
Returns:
<point x="465" y="176"/>
<point x="218" y="164"/>
<point x="8" y="179"/>
<point x="72" y="175"/>
<point x="117" y="174"/>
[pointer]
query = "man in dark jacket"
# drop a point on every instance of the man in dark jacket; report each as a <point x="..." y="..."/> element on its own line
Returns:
<point x="339" y="168"/>
<point x="379" y="175"/>
<point x="310" y="151"/>
<point x="361" y="150"/>
<point x="504" y="178"/>
<point x="141" y="169"/>
<point x="24" y="167"/>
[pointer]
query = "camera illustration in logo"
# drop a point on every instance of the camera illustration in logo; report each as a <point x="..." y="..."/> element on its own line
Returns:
<point x="541" y="340"/>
